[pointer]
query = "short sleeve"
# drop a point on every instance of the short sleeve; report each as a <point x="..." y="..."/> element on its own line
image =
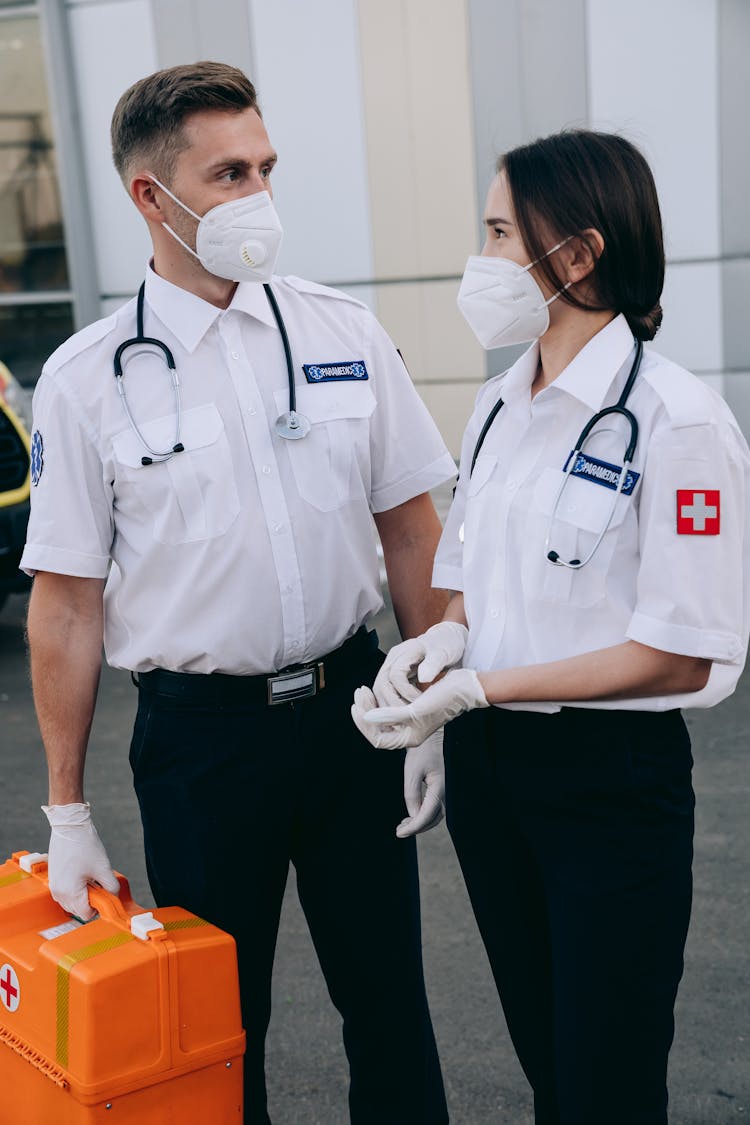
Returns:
<point x="691" y="593"/>
<point x="408" y="455"/>
<point x="70" y="527"/>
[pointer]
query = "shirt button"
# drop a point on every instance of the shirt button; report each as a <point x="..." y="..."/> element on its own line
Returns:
<point x="235" y="355"/>
<point x="266" y="470"/>
<point x="510" y="485"/>
<point x="570" y="508"/>
<point x="252" y="410"/>
<point x="495" y="613"/>
<point x="278" y="528"/>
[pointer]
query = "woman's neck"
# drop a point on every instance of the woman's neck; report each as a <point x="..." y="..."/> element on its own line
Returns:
<point x="562" y="342"/>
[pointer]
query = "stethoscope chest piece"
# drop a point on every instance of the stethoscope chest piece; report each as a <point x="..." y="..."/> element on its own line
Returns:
<point x="292" y="425"/>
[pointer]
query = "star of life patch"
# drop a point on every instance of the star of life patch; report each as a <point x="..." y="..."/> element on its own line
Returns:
<point x="355" y="370"/>
<point x="601" y="472"/>
<point x="698" y="511"/>
<point x="37" y="457"/>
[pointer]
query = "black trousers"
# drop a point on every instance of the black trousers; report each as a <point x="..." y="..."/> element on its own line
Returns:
<point x="574" y="833"/>
<point x="228" y="796"/>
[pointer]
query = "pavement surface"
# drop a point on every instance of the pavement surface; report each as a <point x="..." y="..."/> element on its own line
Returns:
<point x="710" y="1071"/>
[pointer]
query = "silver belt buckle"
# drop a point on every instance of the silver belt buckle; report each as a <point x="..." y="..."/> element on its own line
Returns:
<point x="300" y="683"/>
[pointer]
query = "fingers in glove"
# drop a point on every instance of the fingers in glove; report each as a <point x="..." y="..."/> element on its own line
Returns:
<point x="430" y="814"/>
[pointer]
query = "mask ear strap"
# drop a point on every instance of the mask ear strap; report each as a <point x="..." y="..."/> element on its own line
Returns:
<point x="174" y="197"/>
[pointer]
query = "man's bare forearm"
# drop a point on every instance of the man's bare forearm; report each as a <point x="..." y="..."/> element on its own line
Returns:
<point x="410" y="535"/>
<point x="65" y="631"/>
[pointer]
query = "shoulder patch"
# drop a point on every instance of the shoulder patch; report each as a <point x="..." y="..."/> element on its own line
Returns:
<point x="687" y="400"/>
<point x="77" y="344"/>
<point x="303" y="286"/>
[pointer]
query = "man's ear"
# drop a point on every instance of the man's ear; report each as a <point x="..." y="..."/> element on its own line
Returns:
<point x="580" y="255"/>
<point x="144" y="193"/>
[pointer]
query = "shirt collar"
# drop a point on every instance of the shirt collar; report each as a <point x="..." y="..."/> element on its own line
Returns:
<point x="188" y="317"/>
<point x="588" y="376"/>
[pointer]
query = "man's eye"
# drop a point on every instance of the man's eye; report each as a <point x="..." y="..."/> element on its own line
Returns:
<point x="232" y="175"/>
<point x="265" y="172"/>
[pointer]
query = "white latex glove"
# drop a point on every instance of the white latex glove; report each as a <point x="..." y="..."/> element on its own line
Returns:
<point x="388" y="728"/>
<point x="424" y="787"/>
<point x="76" y="858"/>
<point x="419" y="659"/>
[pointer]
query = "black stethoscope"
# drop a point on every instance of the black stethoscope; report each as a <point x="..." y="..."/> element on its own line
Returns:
<point x="291" y="425"/>
<point x="619" y="408"/>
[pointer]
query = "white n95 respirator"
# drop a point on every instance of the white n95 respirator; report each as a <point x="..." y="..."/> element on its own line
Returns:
<point x="502" y="302"/>
<point x="238" y="240"/>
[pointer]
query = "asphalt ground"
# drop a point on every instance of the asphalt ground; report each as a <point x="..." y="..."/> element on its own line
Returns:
<point x="710" y="1071"/>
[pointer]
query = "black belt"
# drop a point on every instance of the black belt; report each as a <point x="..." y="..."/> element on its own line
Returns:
<point x="297" y="681"/>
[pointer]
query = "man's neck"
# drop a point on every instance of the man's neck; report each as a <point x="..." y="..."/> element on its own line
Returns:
<point x="178" y="268"/>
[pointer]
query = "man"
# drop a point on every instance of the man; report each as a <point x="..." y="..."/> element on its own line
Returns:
<point x="214" y="525"/>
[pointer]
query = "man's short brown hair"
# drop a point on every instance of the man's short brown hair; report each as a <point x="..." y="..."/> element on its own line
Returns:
<point x="147" y="125"/>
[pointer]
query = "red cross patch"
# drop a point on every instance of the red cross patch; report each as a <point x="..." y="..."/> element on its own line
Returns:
<point x="698" y="511"/>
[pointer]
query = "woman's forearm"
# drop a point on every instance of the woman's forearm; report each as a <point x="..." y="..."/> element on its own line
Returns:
<point x="625" y="671"/>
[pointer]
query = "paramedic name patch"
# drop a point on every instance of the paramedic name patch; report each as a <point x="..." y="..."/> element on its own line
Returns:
<point x="698" y="511"/>
<point x="10" y="989"/>
<point x="37" y="457"/>
<point x="354" y="370"/>
<point x="601" y="472"/>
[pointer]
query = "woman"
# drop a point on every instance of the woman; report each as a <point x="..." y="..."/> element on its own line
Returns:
<point x="600" y="590"/>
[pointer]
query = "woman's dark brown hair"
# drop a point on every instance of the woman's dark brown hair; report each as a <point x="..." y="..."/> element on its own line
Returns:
<point x="579" y="180"/>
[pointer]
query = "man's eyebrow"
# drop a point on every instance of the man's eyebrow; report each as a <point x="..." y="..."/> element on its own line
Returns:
<point x="242" y="162"/>
<point x="490" y="222"/>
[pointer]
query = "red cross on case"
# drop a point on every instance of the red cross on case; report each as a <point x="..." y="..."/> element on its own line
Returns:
<point x="698" y="511"/>
<point x="9" y="989"/>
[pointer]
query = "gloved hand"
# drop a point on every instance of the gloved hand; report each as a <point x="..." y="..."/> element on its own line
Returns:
<point x="420" y="658"/>
<point x="76" y="858"/>
<point x="388" y="728"/>
<point x="424" y="787"/>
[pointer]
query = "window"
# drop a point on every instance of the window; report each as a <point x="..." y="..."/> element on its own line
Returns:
<point x="35" y="296"/>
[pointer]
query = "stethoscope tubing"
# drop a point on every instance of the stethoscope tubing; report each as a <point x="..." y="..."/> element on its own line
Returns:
<point x="294" y="422"/>
<point x="618" y="408"/>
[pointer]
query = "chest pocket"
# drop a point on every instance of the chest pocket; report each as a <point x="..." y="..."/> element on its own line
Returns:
<point x="322" y="462"/>
<point x="580" y="515"/>
<point x="193" y="495"/>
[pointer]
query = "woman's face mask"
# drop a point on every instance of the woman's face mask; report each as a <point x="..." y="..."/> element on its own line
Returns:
<point x="503" y="302"/>
<point x="238" y="240"/>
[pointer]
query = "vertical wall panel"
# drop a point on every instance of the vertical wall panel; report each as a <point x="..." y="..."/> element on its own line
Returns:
<point x="653" y="75"/>
<point x="307" y="69"/>
<point x="190" y="30"/>
<point x="120" y="235"/>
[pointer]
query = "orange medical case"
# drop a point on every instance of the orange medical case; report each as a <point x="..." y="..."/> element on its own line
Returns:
<point x="131" y="1019"/>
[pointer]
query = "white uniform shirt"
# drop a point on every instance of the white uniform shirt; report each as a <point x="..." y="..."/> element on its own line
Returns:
<point x="684" y="592"/>
<point x="247" y="552"/>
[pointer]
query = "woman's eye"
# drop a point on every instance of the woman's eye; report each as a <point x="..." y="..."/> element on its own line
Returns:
<point x="499" y="233"/>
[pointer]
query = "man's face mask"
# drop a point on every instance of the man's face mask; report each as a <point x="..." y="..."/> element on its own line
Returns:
<point x="238" y="240"/>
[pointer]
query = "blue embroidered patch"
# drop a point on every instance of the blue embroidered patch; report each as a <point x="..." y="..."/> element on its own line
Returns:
<point x="340" y="372"/>
<point x="601" y="472"/>
<point x="37" y="457"/>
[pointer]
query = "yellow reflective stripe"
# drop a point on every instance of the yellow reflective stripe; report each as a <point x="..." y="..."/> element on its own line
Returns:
<point x="185" y="924"/>
<point x="64" y="965"/>
<point x="16" y="877"/>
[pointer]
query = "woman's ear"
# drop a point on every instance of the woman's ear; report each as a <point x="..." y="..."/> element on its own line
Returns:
<point x="580" y="255"/>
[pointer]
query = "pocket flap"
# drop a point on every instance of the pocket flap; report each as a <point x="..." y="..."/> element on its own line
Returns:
<point x="328" y="401"/>
<point x="582" y="503"/>
<point x="482" y="472"/>
<point x="199" y="426"/>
